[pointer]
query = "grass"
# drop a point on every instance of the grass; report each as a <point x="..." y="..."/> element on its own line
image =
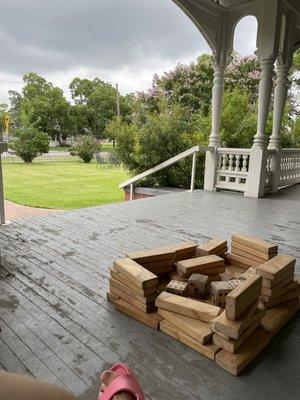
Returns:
<point x="63" y="185"/>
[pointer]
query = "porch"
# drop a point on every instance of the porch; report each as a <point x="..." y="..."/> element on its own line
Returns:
<point x="58" y="326"/>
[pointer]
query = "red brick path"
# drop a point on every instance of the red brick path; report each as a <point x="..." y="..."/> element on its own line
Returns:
<point x="15" y="211"/>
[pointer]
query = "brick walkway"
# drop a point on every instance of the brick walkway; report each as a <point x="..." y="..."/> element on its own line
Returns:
<point x="15" y="211"/>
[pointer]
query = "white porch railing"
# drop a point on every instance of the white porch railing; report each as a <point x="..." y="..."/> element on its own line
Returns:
<point x="289" y="167"/>
<point x="190" y="152"/>
<point x="231" y="172"/>
<point x="232" y="169"/>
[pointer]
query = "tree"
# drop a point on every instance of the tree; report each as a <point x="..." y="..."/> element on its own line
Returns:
<point x="44" y="104"/>
<point x="86" y="147"/>
<point x="95" y="105"/>
<point x="29" y="142"/>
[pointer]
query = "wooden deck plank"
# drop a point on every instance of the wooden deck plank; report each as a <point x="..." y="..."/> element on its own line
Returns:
<point x="61" y="265"/>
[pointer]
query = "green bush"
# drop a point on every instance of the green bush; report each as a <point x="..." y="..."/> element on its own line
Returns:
<point x="86" y="147"/>
<point x="29" y="142"/>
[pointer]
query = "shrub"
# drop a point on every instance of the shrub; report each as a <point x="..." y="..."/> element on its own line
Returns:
<point x="29" y="142"/>
<point x="86" y="147"/>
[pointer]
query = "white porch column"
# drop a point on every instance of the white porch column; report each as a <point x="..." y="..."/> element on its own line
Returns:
<point x="280" y="96"/>
<point x="217" y="101"/>
<point x="257" y="167"/>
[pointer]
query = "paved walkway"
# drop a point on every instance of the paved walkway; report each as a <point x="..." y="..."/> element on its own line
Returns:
<point x="15" y="211"/>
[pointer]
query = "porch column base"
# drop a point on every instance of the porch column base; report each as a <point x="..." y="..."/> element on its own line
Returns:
<point x="256" y="180"/>
<point x="211" y="161"/>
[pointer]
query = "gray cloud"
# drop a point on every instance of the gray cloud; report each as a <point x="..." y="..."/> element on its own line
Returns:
<point x="51" y="35"/>
<point x="118" y="40"/>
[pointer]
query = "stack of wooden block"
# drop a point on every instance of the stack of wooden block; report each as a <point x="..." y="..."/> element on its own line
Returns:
<point x="206" y="265"/>
<point x="237" y="330"/>
<point x="161" y="261"/>
<point x="279" y="284"/>
<point x="187" y="320"/>
<point x="133" y="290"/>
<point x="214" y="246"/>
<point x="248" y="251"/>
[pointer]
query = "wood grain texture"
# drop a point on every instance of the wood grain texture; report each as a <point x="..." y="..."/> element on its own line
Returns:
<point x="234" y="329"/>
<point x="136" y="273"/>
<point x="198" y="330"/>
<point x="278" y="268"/>
<point x="242" y="297"/>
<point x="151" y="319"/>
<point x="255" y="242"/>
<point x="188" y="307"/>
<point x="235" y="363"/>
<point x="208" y="350"/>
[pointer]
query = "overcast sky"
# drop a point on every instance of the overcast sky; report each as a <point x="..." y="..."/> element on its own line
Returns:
<point x="124" y="41"/>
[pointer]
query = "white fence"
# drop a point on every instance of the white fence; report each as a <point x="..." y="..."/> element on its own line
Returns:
<point x="232" y="169"/>
<point x="10" y="157"/>
<point x="289" y="167"/>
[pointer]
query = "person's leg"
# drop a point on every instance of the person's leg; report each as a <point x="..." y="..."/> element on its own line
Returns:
<point x="18" y="387"/>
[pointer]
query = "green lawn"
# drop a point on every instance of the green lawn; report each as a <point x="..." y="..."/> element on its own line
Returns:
<point x="63" y="185"/>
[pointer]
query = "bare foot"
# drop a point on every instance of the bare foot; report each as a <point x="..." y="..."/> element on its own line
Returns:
<point x="106" y="378"/>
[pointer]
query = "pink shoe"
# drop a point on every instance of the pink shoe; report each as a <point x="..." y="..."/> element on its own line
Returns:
<point x="124" y="382"/>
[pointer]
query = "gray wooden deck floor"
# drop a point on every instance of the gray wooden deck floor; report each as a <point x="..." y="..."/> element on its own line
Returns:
<point x="57" y="325"/>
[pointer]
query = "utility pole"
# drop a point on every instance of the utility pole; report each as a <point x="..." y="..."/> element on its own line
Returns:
<point x="118" y="100"/>
<point x="118" y="106"/>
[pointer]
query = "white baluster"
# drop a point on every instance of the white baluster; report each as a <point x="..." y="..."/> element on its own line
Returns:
<point x="245" y="163"/>
<point x="230" y="167"/>
<point x="237" y="162"/>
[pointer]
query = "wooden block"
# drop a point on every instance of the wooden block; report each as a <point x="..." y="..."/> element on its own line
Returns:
<point x="275" y="293"/>
<point x="249" y="250"/>
<point x="235" y="363"/>
<point x="122" y="279"/>
<point x="278" y="316"/>
<point x="242" y="297"/>
<point x="233" y="345"/>
<point x="151" y="255"/>
<point x="208" y="350"/>
<point x="278" y="268"/>
<point x="198" y="330"/>
<point x="241" y="262"/>
<point x="267" y="290"/>
<point x="110" y="297"/>
<point x="152" y="319"/>
<point x="146" y="300"/>
<point x="156" y="265"/>
<point x="219" y="291"/>
<point x="198" y="285"/>
<point x="286" y="297"/>
<point x="136" y="273"/>
<point x="146" y="308"/>
<point x="184" y="250"/>
<point x="200" y="265"/>
<point x="177" y="287"/>
<point x="248" y="273"/>
<point x="234" y="329"/>
<point x="233" y="272"/>
<point x="188" y="307"/>
<point x="211" y="247"/>
<point x="255" y="243"/>
<point x="242" y="253"/>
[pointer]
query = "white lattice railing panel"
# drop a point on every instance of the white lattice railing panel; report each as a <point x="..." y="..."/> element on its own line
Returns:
<point x="232" y="169"/>
<point x="269" y="172"/>
<point x="289" y="167"/>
